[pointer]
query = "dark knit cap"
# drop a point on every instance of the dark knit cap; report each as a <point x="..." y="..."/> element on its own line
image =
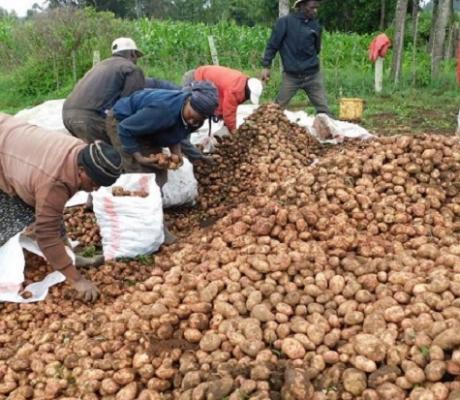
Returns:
<point x="101" y="162"/>
<point x="204" y="97"/>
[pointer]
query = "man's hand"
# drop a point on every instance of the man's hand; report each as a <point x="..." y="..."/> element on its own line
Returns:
<point x="147" y="162"/>
<point x="86" y="290"/>
<point x="176" y="149"/>
<point x="208" y="160"/>
<point x="143" y="160"/>
<point x="266" y="74"/>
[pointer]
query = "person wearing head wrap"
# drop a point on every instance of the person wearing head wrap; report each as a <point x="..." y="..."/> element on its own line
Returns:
<point x="142" y="124"/>
<point x="150" y="119"/>
<point x="39" y="172"/>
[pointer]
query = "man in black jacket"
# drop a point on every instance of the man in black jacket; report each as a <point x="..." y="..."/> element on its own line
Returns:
<point x="297" y="37"/>
<point x="84" y="111"/>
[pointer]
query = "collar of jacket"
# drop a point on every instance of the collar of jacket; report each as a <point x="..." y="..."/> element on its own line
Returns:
<point x="301" y="16"/>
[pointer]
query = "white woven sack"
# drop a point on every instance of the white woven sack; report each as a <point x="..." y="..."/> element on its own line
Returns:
<point x="130" y="226"/>
<point x="181" y="187"/>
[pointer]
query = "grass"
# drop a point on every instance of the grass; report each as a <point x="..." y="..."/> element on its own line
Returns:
<point x="407" y="110"/>
<point x="412" y="112"/>
<point x="11" y="101"/>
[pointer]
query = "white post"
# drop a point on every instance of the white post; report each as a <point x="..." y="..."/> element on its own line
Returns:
<point x="212" y="47"/>
<point x="379" y="75"/>
<point x="96" y="57"/>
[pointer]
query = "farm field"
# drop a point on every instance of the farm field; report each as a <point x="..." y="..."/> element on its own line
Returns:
<point x="305" y="271"/>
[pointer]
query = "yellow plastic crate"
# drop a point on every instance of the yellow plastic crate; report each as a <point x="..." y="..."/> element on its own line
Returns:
<point x="351" y="109"/>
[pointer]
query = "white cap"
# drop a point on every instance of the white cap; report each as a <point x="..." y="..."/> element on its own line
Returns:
<point x="123" y="43"/>
<point x="255" y="87"/>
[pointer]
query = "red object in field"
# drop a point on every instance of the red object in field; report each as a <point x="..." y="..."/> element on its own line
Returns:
<point x="458" y="63"/>
<point x="379" y="47"/>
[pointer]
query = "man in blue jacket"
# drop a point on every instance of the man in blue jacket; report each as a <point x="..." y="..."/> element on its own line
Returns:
<point x="141" y="124"/>
<point x="297" y="37"/>
<point x="188" y="149"/>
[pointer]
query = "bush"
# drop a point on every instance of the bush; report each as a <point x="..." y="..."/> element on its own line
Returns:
<point x="40" y="52"/>
<point x="51" y="46"/>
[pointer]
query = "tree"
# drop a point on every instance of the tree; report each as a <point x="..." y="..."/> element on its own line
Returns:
<point x="449" y="48"/>
<point x="383" y="5"/>
<point x="63" y="3"/>
<point x="363" y="16"/>
<point x="439" y="35"/>
<point x="415" y="21"/>
<point x="434" y="13"/>
<point x="121" y="8"/>
<point x="398" y="42"/>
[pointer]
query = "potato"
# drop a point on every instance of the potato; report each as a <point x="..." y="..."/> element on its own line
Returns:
<point x="292" y="348"/>
<point x="124" y="376"/>
<point x="210" y="342"/>
<point x="354" y="381"/>
<point x="129" y="392"/>
<point x="109" y="386"/>
<point x="435" y="370"/>
<point x="447" y="339"/>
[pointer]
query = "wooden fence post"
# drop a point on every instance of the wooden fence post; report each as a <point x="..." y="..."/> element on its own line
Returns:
<point x="96" y="57"/>
<point x="74" y="66"/>
<point x="212" y="47"/>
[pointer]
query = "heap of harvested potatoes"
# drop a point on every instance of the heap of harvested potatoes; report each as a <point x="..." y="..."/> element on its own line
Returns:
<point x="328" y="274"/>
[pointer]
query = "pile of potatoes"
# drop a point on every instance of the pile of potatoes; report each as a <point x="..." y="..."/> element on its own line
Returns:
<point x="330" y="273"/>
<point x="80" y="224"/>
<point x="166" y="161"/>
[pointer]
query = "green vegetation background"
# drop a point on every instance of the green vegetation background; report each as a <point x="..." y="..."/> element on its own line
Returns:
<point x="42" y="57"/>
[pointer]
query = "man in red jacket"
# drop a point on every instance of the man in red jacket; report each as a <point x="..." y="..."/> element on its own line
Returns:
<point x="233" y="86"/>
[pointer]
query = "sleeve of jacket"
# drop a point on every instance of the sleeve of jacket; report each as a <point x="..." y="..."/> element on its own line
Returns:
<point x="190" y="151"/>
<point x="275" y="41"/>
<point x="146" y="121"/>
<point x="229" y="107"/>
<point x="134" y="81"/>
<point x="49" y="211"/>
<point x="154" y="83"/>
<point x="319" y="39"/>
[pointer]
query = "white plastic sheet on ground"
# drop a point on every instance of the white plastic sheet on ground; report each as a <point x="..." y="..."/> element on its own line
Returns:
<point x="12" y="263"/>
<point x="130" y="226"/>
<point x="322" y="127"/>
<point x="326" y="129"/>
<point x="47" y="115"/>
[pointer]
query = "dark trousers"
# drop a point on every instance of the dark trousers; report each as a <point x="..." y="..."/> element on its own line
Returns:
<point x="130" y="165"/>
<point x="86" y="125"/>
<point x="312" y="85"/>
